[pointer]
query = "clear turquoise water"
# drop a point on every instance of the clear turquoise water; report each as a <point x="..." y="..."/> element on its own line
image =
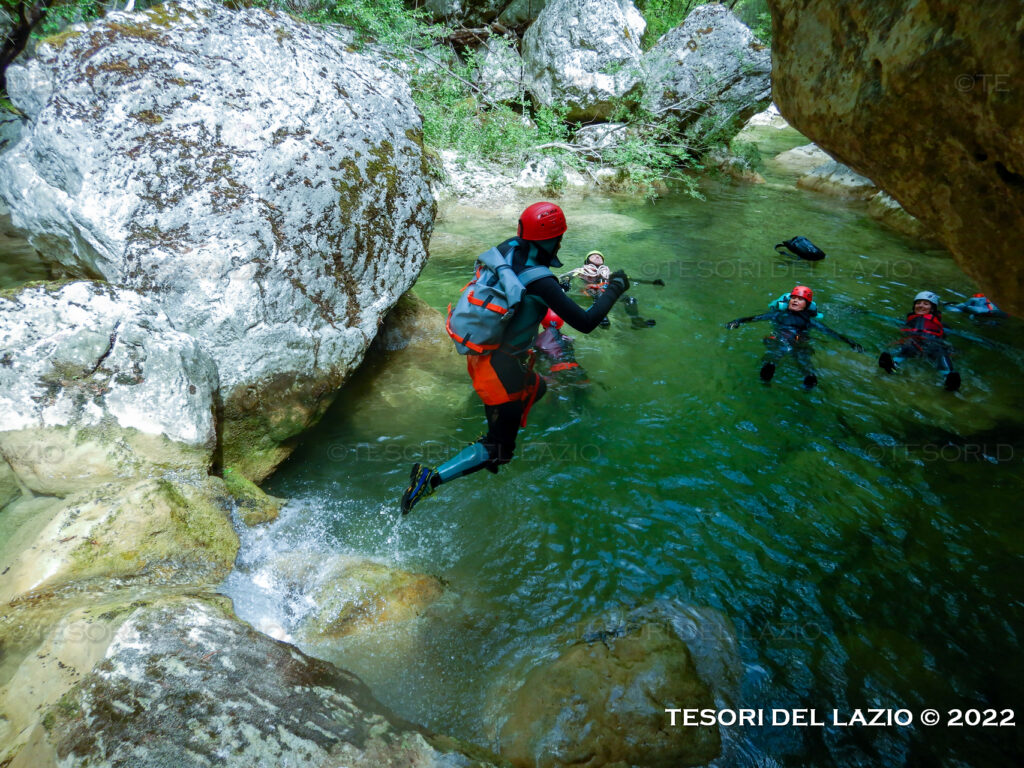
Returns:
<point x="864" y="538"/>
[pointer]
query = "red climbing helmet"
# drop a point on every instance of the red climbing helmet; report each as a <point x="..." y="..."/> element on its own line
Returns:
<point x="802" y="292"/>
<point x="542" y="221"/>
<point x="551" y="320"/>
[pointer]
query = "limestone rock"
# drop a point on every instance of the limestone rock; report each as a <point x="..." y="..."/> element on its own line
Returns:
<point x="601" y="137"/>
<point x="710" y="73"/>
<point x="412" y="322"/>
<point x="254" y="507"/>
<point x="922" y="99"/>
<point x="603" y="701"/>
<point x="584" y="54"/>
<point x="354" y="594"/>
<point x="265" y="183"/>
<point x="801" y="159"/>
<point x="770" y="118"/>
<point x="96" y="384"/>
<point x="837" y="180"/>
<point x="736" y="167"/>
<point x="500" y="73"/>
<point x="885" y="209"/>
<point x="155" y="531"/>
<point x="184" y="683"/>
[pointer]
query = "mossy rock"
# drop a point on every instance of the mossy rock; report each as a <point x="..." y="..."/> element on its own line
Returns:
<point x="253" y="505"/>
<point x="155" y="531"/>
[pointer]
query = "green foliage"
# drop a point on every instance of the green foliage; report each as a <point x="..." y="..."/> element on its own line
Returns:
<point x="748" y="152"/>
<point x="65" y="12"/>
<point x="387" y="22"/>
<point x="664" y="15"/>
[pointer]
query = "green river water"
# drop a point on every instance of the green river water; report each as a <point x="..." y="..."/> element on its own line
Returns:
<point x="864" y="538"/>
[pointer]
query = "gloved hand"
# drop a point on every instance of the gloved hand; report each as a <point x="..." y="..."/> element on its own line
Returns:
<point x="856" y="347"/>
<point x="733" y="324"/>
<point x="565" y="283"/>
<point x="619" y="278"/>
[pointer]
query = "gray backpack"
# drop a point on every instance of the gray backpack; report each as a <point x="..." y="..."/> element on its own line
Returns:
<point x="489" y="301"/>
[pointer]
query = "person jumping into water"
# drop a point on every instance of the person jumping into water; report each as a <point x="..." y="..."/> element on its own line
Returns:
<point x="793" y="316"/>
<point x="504" y="378"/>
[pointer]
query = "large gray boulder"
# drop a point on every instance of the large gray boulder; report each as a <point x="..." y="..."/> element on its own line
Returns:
<point x="263" y="182"/>
<point x="182" y="682"/>
<point x="500" y="71"/>
<point x="710" y="73"/>
<point x="584" y="55"/>
<point x="97" y="385"/>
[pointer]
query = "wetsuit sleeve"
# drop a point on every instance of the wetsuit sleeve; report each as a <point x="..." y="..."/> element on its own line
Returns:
<point x="834" y="334"/>
<point x="583" y="320"/>
<point x="751" y="319"/>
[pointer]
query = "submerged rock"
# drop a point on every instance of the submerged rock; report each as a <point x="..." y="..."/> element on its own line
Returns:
<point x="923" y="98"/>
<point x="264" y="183"/>
<point x="603" y="700"/>
<point x="413" y="322"/>
<point x="584" y="55"/>
<point x="710" y="73"/>
<point x="182" y="682"/>
<point x="348" y="595"/>
<point x="97" y="385"/>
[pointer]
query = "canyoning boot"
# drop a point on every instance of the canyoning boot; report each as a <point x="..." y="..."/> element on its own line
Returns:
<point x="810" y="381"/>
<point x="767" y="371"/>
<point x="886" y="363"/>
<point x="422" y="482"/>
<point x="952" y="383"/>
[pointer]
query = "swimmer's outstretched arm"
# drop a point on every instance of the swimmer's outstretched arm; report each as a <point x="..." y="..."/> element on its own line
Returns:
<point x="836" y="335"/>
<point x="752" y="319"/>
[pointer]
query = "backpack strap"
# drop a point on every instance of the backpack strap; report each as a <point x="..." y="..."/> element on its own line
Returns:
<point x="532" y="274"/>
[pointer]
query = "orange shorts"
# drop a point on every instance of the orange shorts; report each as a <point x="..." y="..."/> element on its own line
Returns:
<point x="500" y="378"/>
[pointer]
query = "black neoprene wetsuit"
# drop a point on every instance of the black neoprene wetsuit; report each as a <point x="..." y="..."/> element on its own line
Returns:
<point x="791" y="331"/>
<point x="510" y="360"/>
